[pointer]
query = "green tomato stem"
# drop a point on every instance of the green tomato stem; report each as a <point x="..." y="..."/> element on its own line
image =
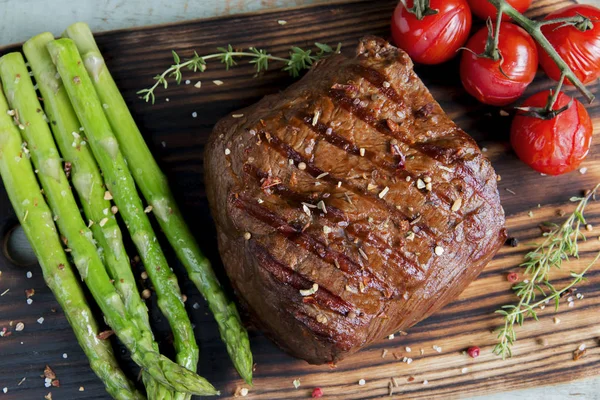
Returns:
<point x="533" y="28"/>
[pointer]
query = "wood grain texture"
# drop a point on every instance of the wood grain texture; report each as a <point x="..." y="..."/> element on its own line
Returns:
<point x="177" y="140"/>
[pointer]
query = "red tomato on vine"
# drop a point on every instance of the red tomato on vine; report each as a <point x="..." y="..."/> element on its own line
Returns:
<point x="499" y="82"/>
<point x="579" y="46"/>
<point x="431" y="31"/>
<point x="552" y="146"/>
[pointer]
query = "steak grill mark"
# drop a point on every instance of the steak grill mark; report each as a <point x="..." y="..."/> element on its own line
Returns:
<point x="407" y="267"/>
<point x="397" y="170"/>
<point x="288" y="276"/>
<point x="289" y="153"/>
<point x="352" y="270"/>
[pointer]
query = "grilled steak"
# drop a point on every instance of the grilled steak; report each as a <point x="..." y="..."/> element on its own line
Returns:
<point x="349" y="206"/>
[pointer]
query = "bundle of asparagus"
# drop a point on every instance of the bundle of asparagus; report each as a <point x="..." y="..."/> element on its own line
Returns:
<point x="100" y="144"/>
<point x="36" y="219"/>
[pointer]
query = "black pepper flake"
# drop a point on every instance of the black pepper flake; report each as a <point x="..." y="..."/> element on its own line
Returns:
<point x="68" y="169"/>
<point x="547" y="227"/>
<point x="512" y="242"/>
<point x="424" y="111"/>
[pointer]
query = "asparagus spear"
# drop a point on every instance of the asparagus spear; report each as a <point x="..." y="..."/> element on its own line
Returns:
<point x="120" y="183"/>
<point x="90" y="187"/>
<point x="36" y="219"/>
<point x="22" y="97"/>
<point x="155" y="189"/>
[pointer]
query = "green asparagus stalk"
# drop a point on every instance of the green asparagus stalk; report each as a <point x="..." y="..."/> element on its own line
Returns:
<point x="120" y="183"/>
<point x="22" y="97"/>
<point x="36" y="219"/>
<point x="155" y="189"/>
<point x="90" y="188"/>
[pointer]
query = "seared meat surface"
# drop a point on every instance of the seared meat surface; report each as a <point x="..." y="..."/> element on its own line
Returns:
<point x="349" y="206"/>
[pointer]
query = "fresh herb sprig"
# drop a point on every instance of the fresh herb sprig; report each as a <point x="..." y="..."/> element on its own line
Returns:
<point x="560" y="244"/>
<point x="298" y="59"/>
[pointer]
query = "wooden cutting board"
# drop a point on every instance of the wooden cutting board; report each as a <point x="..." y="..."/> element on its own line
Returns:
<point x="177" y="140"/>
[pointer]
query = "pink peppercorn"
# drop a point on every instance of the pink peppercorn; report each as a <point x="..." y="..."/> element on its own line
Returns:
<point x="317" y="392"/>
<point x="473" y="351"/>
<point x="512" y="277"/>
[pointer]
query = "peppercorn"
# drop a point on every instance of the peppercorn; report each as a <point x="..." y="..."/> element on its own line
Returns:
<point x="473" y="351"/>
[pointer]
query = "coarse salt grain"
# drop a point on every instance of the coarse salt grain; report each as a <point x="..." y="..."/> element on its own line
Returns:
<point x="198" y="85"/>
<point x="362" y="382"/>
<point x="282" y="22"/>
<point x="391" y="336"/>
<point x="437" y="348"/>
<point x="383" y="192"/>
<point x="194" y="114"/>
<point x="20" y="326"/>
<point x="29" y="301"/>
<point x="457" y="204"/>
<point x="408" y="349"/>
<point x="65" y="355"/>
<point x="218" y="82"/>
<point x="29" y="274"/>
<point x="40" y="320"/>
<point x="227" y="152"/>
<point x="425" y="382"/>
<point x="464" y="370"/>
<point x="244" y="392"/>
<point x="583" y="170"/>
<point x="5" y="390"/>
<point x="556" y="320"/>
<point x="581" y="347"/>
<point x="310" y="291"/>
<point x="362" y="152"/>
<point x="439" y="250"/>
<point x="187" y="82"/>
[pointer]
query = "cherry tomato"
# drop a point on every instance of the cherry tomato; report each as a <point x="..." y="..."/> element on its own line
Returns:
<point x="580" y="50"/>
<point x="434" y="38"/>
<point x="484" y="9"/>
<point x="552" y="146"/>
<point x="499" y="82"/>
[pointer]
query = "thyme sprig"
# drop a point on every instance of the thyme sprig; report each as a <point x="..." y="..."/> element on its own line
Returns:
<point x="560" y="244"/>
<point x="298" y="59"/>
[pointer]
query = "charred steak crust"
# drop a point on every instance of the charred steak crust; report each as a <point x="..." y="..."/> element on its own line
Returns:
<point x="352" y="179"/>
